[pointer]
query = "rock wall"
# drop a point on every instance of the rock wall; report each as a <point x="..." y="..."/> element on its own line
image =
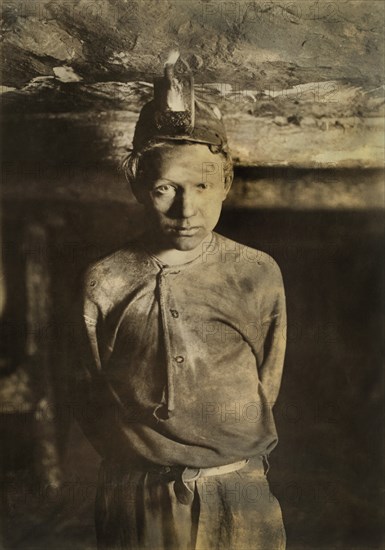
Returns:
<point x="299" y="83"/>
<point x="253" y="44"/>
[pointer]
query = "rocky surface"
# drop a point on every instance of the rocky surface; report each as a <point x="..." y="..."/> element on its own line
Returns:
<point x="299" y="83"/>
<point x="318" y="124"/>
<point x="255" y="44"/>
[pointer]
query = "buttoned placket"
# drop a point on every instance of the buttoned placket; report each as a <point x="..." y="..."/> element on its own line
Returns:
<point x="172" y="357"/>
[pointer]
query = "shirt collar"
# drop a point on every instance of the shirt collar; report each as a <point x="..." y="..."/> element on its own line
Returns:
<point x="185" y="265"/>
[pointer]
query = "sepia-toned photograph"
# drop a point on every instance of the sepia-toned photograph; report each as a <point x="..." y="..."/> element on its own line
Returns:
<point x="192" y="275"/>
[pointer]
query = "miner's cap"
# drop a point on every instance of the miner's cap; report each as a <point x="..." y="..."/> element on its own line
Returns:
<point x="175" y="114"/>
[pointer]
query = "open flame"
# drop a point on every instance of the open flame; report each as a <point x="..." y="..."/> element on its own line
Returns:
<point x="172" y="57"/>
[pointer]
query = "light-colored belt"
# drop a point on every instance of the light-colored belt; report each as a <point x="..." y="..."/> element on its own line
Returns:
<point x="185" y="494"/>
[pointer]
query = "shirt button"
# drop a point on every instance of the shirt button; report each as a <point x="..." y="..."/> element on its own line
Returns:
<point x="174" y="313"/>
<point x="179" y="359"/>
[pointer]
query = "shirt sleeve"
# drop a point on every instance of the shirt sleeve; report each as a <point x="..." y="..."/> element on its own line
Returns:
<point x="274" y="346"/>
<point x="96" y="412"/>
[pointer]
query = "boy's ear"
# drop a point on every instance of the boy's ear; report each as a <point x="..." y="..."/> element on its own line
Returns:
<point x="228" y="182"/>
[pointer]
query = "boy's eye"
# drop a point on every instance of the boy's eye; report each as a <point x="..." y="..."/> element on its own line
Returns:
<point x="164" y="190"/>
<point x="202" y="185"/>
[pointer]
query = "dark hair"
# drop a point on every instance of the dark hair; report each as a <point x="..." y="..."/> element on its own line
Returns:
<point x="134" y="169"/>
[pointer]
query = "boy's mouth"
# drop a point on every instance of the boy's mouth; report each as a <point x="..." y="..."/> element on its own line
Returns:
<point x="185" y="231"/>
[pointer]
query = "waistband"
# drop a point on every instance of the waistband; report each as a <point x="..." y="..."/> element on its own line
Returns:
<point x="184" y="477"/>
<point x="191" y="474"/>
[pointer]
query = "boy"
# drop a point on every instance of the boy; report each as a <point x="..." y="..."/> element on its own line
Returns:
<point x="183" y="348"/>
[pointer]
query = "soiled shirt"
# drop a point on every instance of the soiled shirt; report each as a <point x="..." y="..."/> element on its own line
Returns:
<point x="181" y="365"/>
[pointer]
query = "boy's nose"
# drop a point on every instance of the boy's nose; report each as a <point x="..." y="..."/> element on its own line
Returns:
<point x="187" y="205"/>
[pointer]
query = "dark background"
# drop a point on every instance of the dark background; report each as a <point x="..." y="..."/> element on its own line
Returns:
<point x="327" y="468"/>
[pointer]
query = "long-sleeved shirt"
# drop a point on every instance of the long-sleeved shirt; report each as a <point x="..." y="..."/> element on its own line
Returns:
<point x="181" y="365"/>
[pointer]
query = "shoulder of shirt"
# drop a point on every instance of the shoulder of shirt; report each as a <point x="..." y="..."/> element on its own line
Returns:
<point x="253" y="259"/>
<point x="115" y="269"/>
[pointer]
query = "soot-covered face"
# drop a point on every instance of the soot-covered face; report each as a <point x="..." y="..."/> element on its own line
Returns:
<point x="182" y="192"/>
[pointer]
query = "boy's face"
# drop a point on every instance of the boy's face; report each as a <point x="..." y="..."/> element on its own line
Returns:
<point x="184" y="194"/>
